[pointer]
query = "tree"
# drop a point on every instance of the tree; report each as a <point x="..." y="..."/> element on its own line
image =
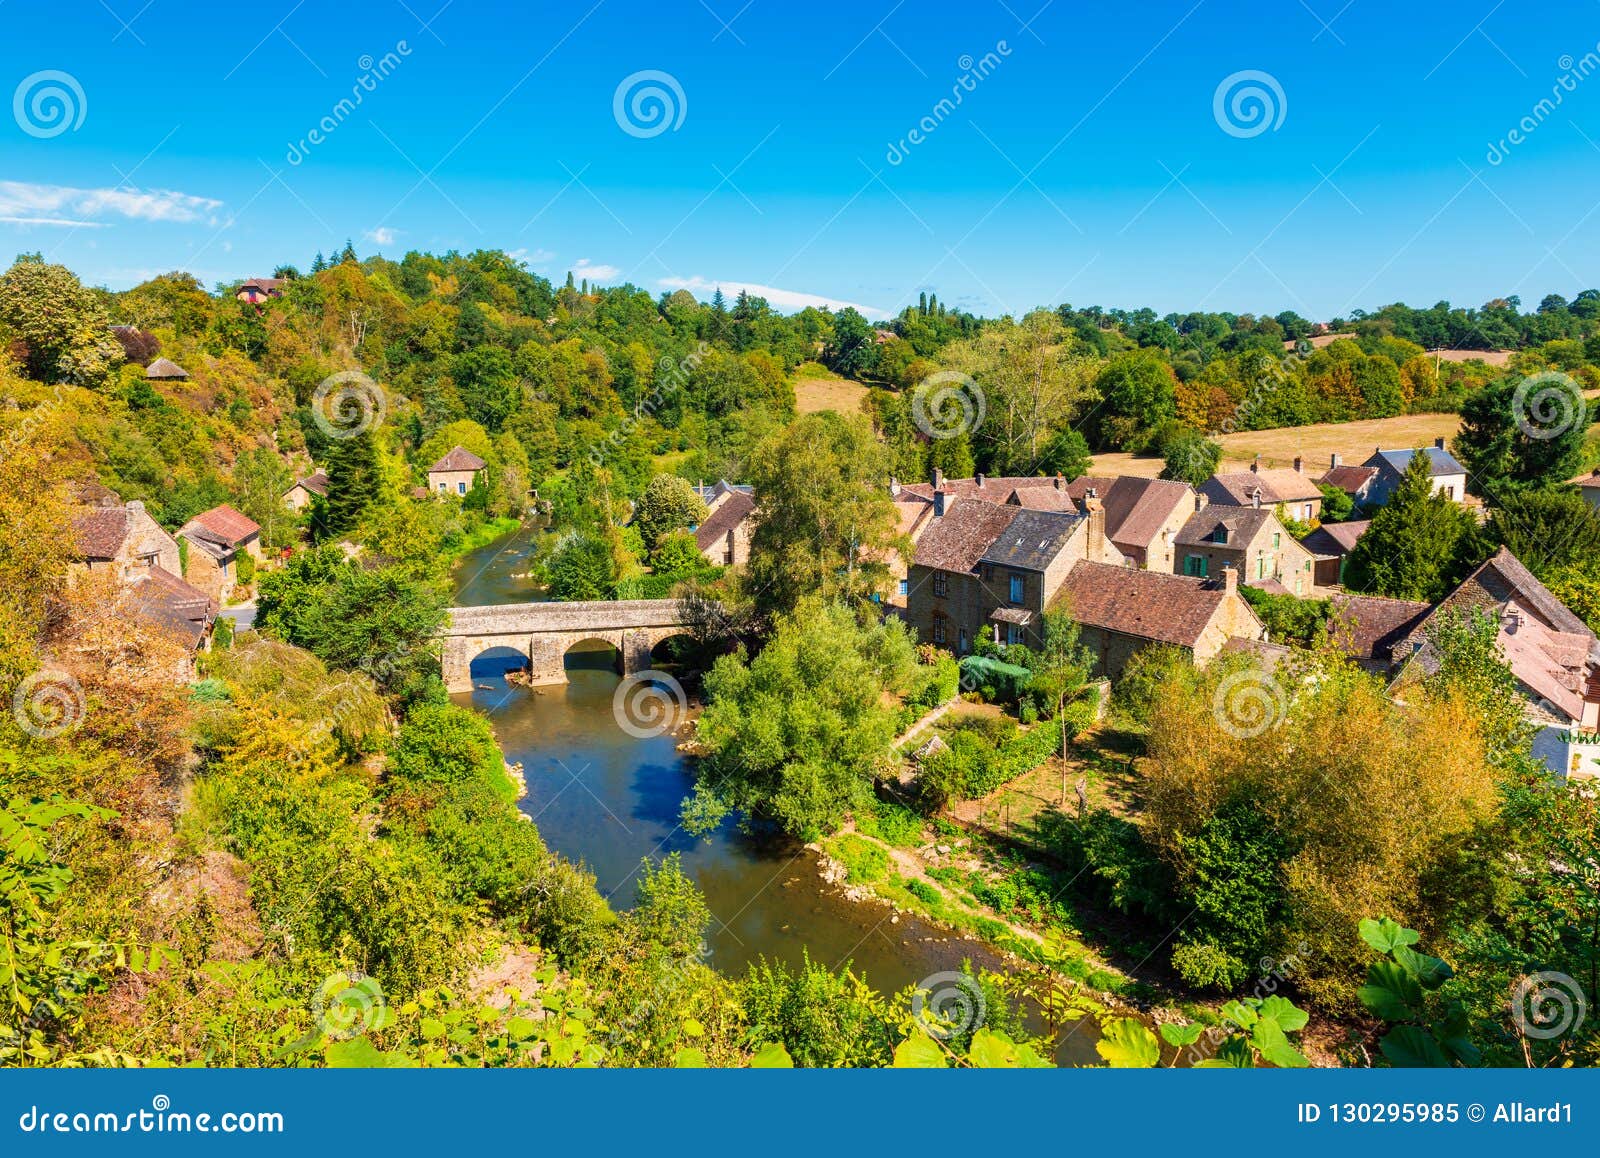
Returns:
<point x="62" y="325"/>
<point x="1190" y="457"/>
<point x="1522" y="433"/>
<point x="1546" y="529"/>
<point x="676" y="553"/>
<point x="1337" y="505"/>
<point x="824" y="518"/>
<point x="260" y="479"/>
<point x="1138" y="393"/>
<point x="354" y="483"/>
<point x="669" y="503"/>
<point x="795" y="734"/>
<point x="382" y="622"/>
<point x="582" y="567"/>
<point x="1420" y="544"/>
<point x="852" y="351"/>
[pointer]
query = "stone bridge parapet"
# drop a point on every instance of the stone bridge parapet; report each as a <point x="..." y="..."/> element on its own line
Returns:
<point x="545" y="631"/>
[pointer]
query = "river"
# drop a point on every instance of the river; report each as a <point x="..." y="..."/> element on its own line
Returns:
<point x="603" y="797"/>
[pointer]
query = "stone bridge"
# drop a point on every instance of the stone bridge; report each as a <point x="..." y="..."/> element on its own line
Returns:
<point x="545" y="631"/>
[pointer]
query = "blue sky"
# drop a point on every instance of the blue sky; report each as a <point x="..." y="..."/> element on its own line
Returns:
<point x="1088" y="164"/>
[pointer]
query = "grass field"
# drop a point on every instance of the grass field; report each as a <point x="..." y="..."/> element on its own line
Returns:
<point x="1354" y="441"/>
<point x="818" y="388"/>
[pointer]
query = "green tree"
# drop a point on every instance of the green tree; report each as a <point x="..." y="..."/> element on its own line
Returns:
<point x="676" y="553"/>
<point x="795" y="734"/>
<point x="1420" y="544"/>
<point x="63" y="327"/>
<point x="1525" y="432"/>
<point x="1190" y="457"/>
<point x="1337" y="505"/>
<point x="1138" y="394"/>
<point x="824" y="516"/>
<point x="581" y="567"/>
<point x="260" y="478"/>
<point x="852" y="351"/>
<point x="669" y="503"/>
<point x="1546" y="529"/>
<point x="354" y="483"/>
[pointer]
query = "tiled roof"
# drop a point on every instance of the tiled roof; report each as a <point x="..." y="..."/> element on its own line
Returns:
<point x="912" y="514"/>
<point x="956" y="540"/>
<point x="1588" y="481"/>
<point x="1441" y="460"/>
<point x="729" y="514"/>
<point x="458" y="459"/>
<point x="159" y="597"/>
<point x="1270" y="586"/>
<point x="1143" y="604"/>
<point x="1368" y="626"/>
<point x="1031" y="540"/>
<point x="719" y="488"/>
<point x="1242" y="524"/>
<point x="1042" y="499"/>
<point x="1137" y="508"/>
<point x="223" y="524"/>
<point x="1021" y="616"/>
<point x="1276" y="486"/>
<point x="1336" y="538"/>
<point x="993" y="490"/>
<point x="1349" y="479"/>
<point x="316" y="483"/>
<point x="98" y="532"/>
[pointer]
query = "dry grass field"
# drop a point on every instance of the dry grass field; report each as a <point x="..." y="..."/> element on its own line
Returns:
<point x="824" y="391"/>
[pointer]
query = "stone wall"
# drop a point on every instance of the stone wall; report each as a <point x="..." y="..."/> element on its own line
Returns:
<point x="545" y="632"/>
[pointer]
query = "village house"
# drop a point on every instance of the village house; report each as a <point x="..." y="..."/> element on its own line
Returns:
<point x="1143" y="516"/>
<point x="1449" y="476"/>
<point x="913" y="516"/>
<point x="1296" y="493"/>
<point x="160" y="599"/>
<point x="1330" y="544"/>
<point x="119" y="539"/>
<point x="1120" y="611"/>
<point x="1551" y="652"/>
<point x="1355" y="481"/>
<point x="983" y="568"/>
<point x="1369" y="628"/>
<point x="1589" y="486"/>
<point x="305" y="490"/>
<point x="456" y="473"/>
<point x="724" y="536"/>
<point x="216" y="538"/>
<point x="258" y="289"/>
<point x="1249" y="540"/>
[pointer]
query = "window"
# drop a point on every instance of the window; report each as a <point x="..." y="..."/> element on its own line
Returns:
<point x="1220" y="535"/>
<point x="461" y="488"/>
<point x="1195" y="565"/>
<point x="1261" y="566"/>
<point x="938" y="629"/>
<point x="1016" y="588"/>
<point x="443" y="486"/>
<point x="905" y="587"/>
<point x="1277" y="540"/>
<point x="941" y="584"/>
<point x="1013" y="633"/>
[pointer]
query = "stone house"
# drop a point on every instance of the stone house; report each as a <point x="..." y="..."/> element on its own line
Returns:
<point x="305" y="490"/>
<point x="258" y="289"/>
<point x="1369" y="628"/>
<point x="1121" y="610"/>
<point x="1250" y="540"/>
<point x="1330" y="544"/>
<point x="724" y="536"/>
<point x="216" y="538"/>
<point x="1553" y="654"/>
<point x="455" y="473"/>
<point x="1293" y="490"/>
<point x="1143" y="516"/>
<point x="1589" y="486"/>
<point x="121" y="539"/>
<point x="1355" y="481"/>
<point x="993" y="568"/>
<point x="1449" y="476"/>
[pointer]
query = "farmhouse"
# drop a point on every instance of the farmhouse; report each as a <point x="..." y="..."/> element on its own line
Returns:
<point x="305" y="490"/>
<point x="1256" y="487"/>
<point x="1449" y="476"/>
<point x="456" y="473"/>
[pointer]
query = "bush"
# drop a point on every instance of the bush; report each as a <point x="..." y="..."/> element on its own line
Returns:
<point x="864" y="861"/>
<point x="1205" y="965"/>
<point x="1145" y="673"/>
<point x="924" y="892"/>
<point x="444" y="744"/>
<point x="892" y="824"/>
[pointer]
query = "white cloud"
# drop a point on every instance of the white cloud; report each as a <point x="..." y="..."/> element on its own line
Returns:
<point x="586" y="268"/>
<point x="24" y="203"/>
<point x="782" y="299"/>
<point x="382" y="235"/>
<point x="63" y="221"/>
<point x="532" y="256"/>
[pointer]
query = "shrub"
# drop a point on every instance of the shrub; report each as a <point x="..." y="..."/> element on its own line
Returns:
<point x="863" y="860"/>
<point x="444" y="744"/>
<point x="924" y="892"/>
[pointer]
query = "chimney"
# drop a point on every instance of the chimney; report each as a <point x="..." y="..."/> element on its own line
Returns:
<point x="1230" y="578"/>
<point x="938" y="479"/>
<point x="1255" y="463"/>
<point x="1438" y="444"/>
<point x="1334" y="461"/>
<point x="1200" y="502"/>
<point x="938" y="504"/>
<point x="1255" y="498"/>
<point x="894" y="486"/>
<point x="1096" y="544"/>
<point x="1060" y="482"/>
<point x="136" y="505"/>
<point x="1299" y="465"/>
<point x="980" y="482"/>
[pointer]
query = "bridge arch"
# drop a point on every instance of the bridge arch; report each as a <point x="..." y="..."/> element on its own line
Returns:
<point x="496" y="661"/>
<point x="578" y="652"/>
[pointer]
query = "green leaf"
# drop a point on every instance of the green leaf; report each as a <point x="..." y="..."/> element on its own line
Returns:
<point x="1283" y="1011"/>
<point x="358" y="1053"/>
<point x="1181" y="1035"/>
<point x="772" y="1056"/>
<point x="1430" y="972"/>
<point x="693" y="1028"/>
<point x="690" y="1058"/>
<point x="1269" y="1041"/>
<point x="1412" y="1046"/>
<point x="1242" y="1015"/>
<point x="1452" y="1031"/>
<point x="1385" y="935"/>
<point x="919" y="1052"/>
<point x="992" y="1050"/>
<point x="1233" y="1054"/>
<point x="1126" y="1044"/>
<point x="1391" y="992"/>
<point x="517" y="1029"/>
